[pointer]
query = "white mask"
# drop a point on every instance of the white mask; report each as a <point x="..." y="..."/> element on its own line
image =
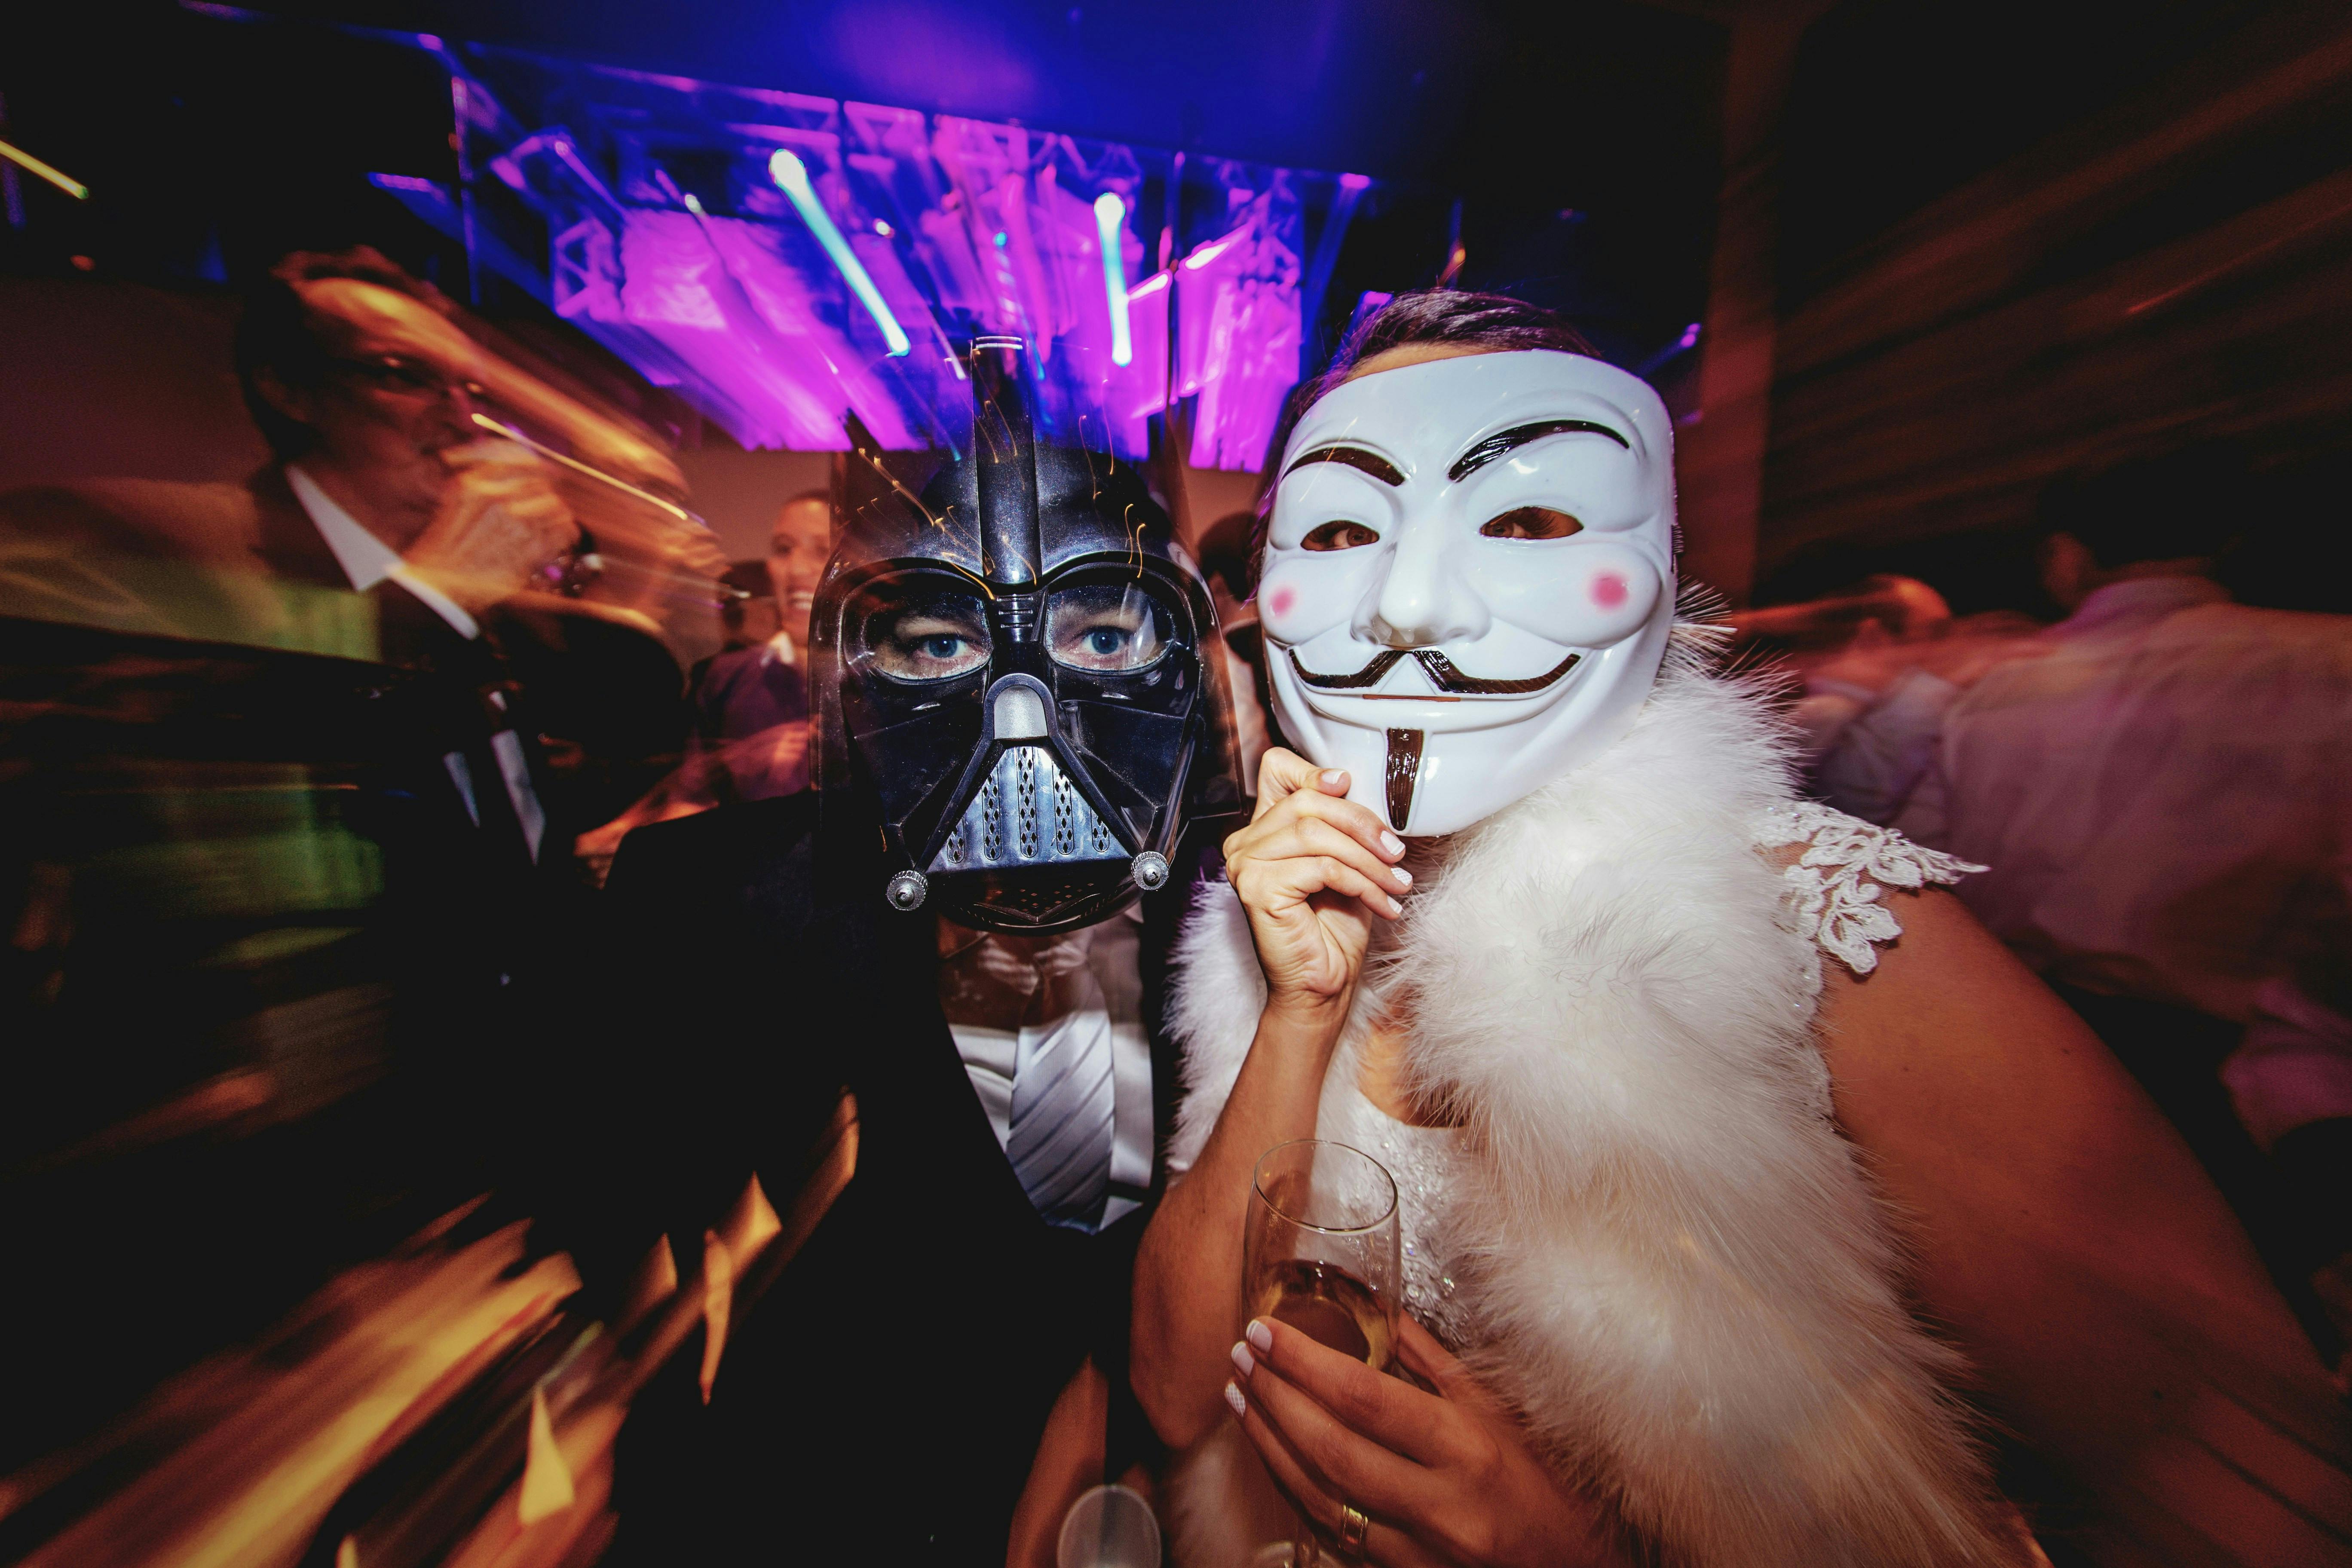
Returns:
<point x="1442" y="529"/>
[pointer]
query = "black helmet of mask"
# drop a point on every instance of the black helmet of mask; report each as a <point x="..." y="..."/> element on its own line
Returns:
<point x="1019" y="672"/>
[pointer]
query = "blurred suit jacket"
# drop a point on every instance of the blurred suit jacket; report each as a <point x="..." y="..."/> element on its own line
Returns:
<point x="884" y="1402"/>
<point x="488" y="933"/>
<point x="242" y="563"/>
<point x="214" y="562"/>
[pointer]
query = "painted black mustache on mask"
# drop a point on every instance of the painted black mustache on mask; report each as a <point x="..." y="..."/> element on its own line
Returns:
<point x="1440" y="670"/>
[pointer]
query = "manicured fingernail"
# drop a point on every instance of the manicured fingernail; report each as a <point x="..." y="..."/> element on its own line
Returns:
<point x="1233" y="1398"/>
<point x="1395" y="908"/>
<point x="1392" y="843"/>
<point x="1404" y="878"/>
<point x="1242" y="1359"/>
<point x="1333" y="778"/>
<point x="1258" y="1334"/>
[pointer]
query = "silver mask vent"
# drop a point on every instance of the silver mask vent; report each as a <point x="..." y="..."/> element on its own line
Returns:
<point x="1028" y="813"/>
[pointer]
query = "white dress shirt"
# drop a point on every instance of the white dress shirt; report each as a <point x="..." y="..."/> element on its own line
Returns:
<point x="1101" y="1001"/>
<point x="367" y="560"/>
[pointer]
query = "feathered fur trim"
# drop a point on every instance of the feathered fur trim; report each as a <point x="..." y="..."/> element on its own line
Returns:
<point x="1677" y="1269"/>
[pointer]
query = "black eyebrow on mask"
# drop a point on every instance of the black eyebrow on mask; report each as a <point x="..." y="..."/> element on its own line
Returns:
<point x="1355" y="457"/>
<point x="1518" y="435"/>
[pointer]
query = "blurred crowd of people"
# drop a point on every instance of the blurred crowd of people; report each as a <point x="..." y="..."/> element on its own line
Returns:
<point x="2159" y="786"/>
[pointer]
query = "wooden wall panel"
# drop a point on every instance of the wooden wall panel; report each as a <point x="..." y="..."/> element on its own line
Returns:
<point x="1969" y="355"/>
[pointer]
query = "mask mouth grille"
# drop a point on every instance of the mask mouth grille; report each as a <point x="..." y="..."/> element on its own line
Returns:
<point x="1027" y="813"/>
<point x="1033" y="900"/>
<point x="1024" y="798"/>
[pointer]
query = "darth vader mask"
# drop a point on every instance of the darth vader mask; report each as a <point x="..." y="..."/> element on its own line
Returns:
<point x="1469" y="578"/>
<point x="1019" y="671"/>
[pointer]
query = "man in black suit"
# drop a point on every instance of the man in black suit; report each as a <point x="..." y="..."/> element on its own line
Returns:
<point x="315" y="883"/>
<point x="1019" y="708"/>
<point x="389" y="526"/>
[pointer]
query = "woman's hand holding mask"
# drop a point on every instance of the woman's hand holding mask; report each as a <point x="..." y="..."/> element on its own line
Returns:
<point x="1313" y="869"/>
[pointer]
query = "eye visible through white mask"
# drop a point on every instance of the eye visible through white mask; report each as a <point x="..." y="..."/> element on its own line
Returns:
<point x="1469" y="578"/>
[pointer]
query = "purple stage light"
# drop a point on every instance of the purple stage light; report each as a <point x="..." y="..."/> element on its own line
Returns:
<point x="831" y="257"/>
<point x="1238" y="307"/>
<point x="792" y="177"/>
<point x="1110" y="218"/>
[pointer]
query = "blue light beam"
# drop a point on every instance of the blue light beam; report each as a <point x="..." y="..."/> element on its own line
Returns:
<point x="792" y="178"/>
<point x="1110" y="214"/>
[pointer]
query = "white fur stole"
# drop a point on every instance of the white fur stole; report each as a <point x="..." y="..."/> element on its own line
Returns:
<point x="1676" y="1266"/>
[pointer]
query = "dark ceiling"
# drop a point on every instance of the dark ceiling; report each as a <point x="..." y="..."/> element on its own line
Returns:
<point x="1896" y="102"/>
<point x="1579" y="138"/>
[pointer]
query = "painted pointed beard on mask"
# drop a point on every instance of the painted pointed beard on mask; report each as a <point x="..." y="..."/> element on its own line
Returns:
<point x="1469" y="578"/>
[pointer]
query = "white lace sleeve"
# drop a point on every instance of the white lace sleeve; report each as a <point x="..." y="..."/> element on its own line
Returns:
<point x="1833" y="888"/>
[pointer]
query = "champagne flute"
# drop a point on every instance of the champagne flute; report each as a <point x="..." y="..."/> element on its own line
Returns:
<point x="1319" y="1253"/>
<point x="1320" y="1248"/>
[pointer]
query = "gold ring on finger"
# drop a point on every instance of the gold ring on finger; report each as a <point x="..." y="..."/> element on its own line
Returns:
<point x="1353" y="1524"/>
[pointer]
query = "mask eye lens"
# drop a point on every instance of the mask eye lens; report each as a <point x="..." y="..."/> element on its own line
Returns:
<point x="1532" y="522"/>
<point x="1339" y="536"/>
<point x="1104" y="627"/>
<point x="919" y="636"/>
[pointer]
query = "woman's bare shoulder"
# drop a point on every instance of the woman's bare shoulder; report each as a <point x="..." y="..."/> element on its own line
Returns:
<point x="1950" y="1049"/>
<point x="2017" y="1141"/>
<point x="1917" y="998"/>
<point x="1943" y="986"/>
<point x="2057" y="1225"/>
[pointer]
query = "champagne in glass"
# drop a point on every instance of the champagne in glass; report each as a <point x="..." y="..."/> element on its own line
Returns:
<point x="1319" y="1249"/>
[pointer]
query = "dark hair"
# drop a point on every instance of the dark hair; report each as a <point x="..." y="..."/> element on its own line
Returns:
<point x="278" y="329"/>
<point x="1496" y="323"/>
<point x="821" y="498"/>
<point x="748" y="579"/>
<point x="1223" y="550"/>
<point x="2184" y="504"/>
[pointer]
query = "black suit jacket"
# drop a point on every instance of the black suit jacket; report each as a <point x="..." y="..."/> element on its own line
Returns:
<point x="884" y="1402"/>
<point x="483" y="935"/>
<point x="217" y="561"/>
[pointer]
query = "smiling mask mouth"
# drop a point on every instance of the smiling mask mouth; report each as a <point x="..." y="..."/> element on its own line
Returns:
<point x="1440" y="670"/>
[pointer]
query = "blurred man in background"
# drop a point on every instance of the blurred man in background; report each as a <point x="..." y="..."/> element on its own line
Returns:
<point x="391" y="524"/>
<point x="751" y="703"/>
<point x="286" y="928"/>
<point x="2163" y="795"/>
<point x="1918" y="655"/>
<point x="1226" y="548"/>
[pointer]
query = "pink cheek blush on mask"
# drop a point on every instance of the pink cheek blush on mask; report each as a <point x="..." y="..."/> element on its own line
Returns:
<point x="1422" y="439"/>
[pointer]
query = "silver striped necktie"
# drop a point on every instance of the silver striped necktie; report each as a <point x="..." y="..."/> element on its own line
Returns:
<point x="1059" y="1136"/>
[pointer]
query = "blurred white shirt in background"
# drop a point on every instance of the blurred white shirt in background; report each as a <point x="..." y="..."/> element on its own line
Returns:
<point x="2164" y="797"/>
